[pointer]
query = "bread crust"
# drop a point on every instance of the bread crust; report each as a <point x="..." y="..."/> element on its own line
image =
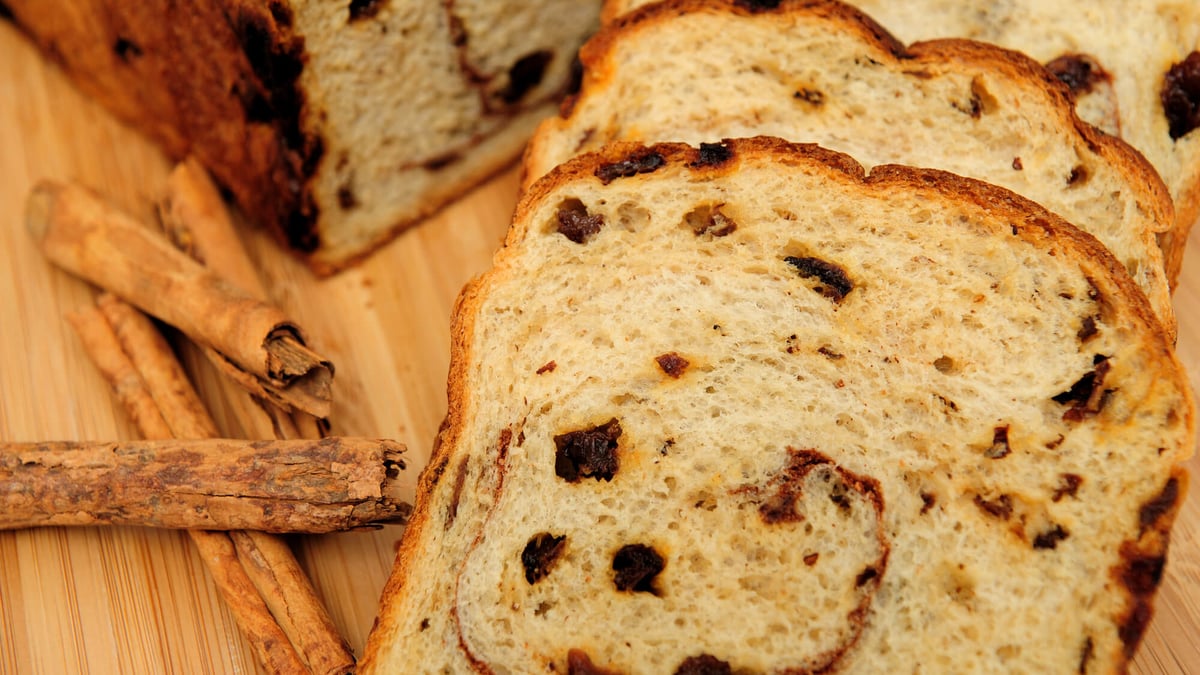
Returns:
<point x="411" y="591"/>
<point x="1048" y="99"/>
<point x="232" y="83"/>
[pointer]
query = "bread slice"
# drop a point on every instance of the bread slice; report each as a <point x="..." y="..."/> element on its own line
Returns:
<point x="823" y="72"/>
<point x="334" y="123"/>
<point x="743" y="408"/>
<point x="1134" y="68"/>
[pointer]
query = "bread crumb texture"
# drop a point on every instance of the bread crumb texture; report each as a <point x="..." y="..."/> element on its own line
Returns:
<point x="923" y="426"/>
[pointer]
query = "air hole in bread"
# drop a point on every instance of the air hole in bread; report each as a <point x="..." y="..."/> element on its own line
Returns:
<point x="540" y="554"/>
<point x="709" y="221"/>
<point x="635" y="567"/>
<point x="346" y="197"/>
<point x="575" y="222"/>
<point x="1078" y="176"/>
<point x="826" y="278"/>
<point x="587" y="453"/>
<point x="632" y="217"/>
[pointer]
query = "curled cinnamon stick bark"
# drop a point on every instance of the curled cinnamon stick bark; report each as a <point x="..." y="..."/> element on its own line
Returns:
<point x="84" y="235"/>
<point x="281" y="646"/>
<point x="329" y="485"/>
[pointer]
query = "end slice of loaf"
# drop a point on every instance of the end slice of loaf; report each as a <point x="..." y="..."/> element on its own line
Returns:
<point x="335" y="124"/>
<point x="745" y="408"/>
<point x="1134" y="70"/>
<point x="823" y="72"/>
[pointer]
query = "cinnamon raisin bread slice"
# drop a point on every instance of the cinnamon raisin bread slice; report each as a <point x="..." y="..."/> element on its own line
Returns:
<point x="1133" y="66"/>
<point x="823" y="72"/>
<point x="747" y="409"/>
<point x="333" y="123"/>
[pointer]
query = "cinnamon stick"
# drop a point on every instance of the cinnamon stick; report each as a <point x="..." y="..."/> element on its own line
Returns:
<point x="276" y="649"/>
<point x="86" y="236"/>
<point x="329" y="485"/>
<point x="270" y="644"/>
<point x="195" y="219"/>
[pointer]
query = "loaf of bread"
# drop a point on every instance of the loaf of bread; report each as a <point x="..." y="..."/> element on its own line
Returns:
<point x="1134" y="68"/>
<point x="823" y="72"/>
<point x="745" y="408"/>
<point x="333" y="123"/>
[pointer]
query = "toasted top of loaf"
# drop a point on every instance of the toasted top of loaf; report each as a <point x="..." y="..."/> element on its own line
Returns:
<point x="823" y="72"/>
<point x="1134" y="69"/>
<point x="333" y="123"/>
<point x="747" y="408"/>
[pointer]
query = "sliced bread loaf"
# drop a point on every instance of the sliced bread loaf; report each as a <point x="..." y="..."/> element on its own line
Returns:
<point x="1134" y="68"/>
<point x="702" y="70"/>
<point x="334" y="123"/>
<point x="746" y="409"/>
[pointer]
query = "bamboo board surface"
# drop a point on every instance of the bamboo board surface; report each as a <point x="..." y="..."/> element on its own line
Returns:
<point x="140" y="601"/>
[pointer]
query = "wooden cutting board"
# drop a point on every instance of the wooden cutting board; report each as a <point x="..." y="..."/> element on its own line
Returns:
<point x="139" y="601"/>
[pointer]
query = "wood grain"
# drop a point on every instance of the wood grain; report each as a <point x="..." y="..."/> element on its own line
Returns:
<point x="140" y="601"/>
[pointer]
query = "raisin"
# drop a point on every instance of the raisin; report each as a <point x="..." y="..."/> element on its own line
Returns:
<point x="587" y="453"/>
<point x="835" y="284"/>
<point x="640" y="161"/>
<point x="526" y="74"/>
<point x="809" y="96"/>
<point x="1088" y="395"/>
<point x="576" y="223"/>
<point x="346" y="197"/>
<point x="364" y="9"/>
<point x="1080" y="72"/>
<point x="1000" y="507"/>
<point x="672" y="364"/>
<point x="865" y="576"/>
<point x="1068" y="486"/>
<point x="636" y="566"/>
<point x="1051" y="537"/>
<point x="126" y="49"/>
<point x="1181" y="96"/>
<point x="758" y="5"/>
<point x="999" y="447"/>
<point x="1087" y="329"/>
<point x="579" y="663"/>
<point x="713" y="154"/>
<point x="928" y="499"/>
<point x="547" y="368"/>
<point x="540" y="554"/>
<point x="705" y="664"/>
<point x="811" y="559"/>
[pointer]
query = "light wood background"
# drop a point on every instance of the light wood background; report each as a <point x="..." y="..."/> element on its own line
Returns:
<point x="139" y="601"/>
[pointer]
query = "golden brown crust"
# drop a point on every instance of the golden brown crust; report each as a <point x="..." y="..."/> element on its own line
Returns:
<point x="1155" y="199"/>
<point x="213" y="78"/>
<point x="1028" y="221"/>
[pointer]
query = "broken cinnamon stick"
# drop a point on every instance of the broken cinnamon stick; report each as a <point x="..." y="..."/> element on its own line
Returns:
<point x="329" y="485"/>
<point x="196" y="220"/>
<point x="86" y="236"/>
<point x="165" y="383"/>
